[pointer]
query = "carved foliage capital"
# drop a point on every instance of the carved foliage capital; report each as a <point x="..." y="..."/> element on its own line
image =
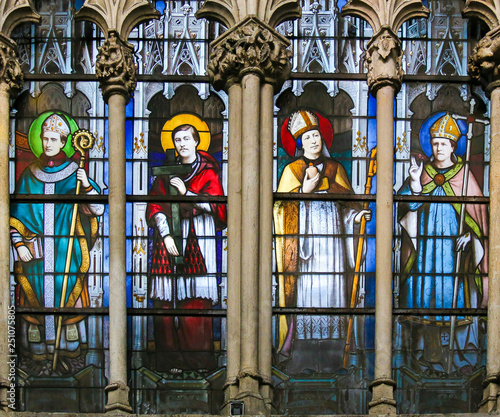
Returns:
<point x="384" y="61"/>
<point x="484" y="62"/>
<point x="11" y="74"/>
<point x="251" y="47"/>
<point x="115" y="67"/>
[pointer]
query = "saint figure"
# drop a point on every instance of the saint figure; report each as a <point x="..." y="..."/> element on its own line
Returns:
<point x="40" y="236"/>
<point x="315" y="250"/>
<point x="186" y="343"/>
<point x="430" y="249"/>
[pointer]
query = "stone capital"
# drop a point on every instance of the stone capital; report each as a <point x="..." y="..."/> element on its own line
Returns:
<point x="384" y="61"/>
<point x="484" y="62"/>
<point x="115" y="67"/>
<point x="250" y="47"/>
<point x="11" y="75"/>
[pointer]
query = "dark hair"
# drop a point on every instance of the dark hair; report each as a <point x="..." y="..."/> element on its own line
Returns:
<point x="183" y="128"/>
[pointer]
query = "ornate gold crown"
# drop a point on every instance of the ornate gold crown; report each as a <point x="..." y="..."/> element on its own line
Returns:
<point x="446" y="127"/>
<point x="302" y="121"/>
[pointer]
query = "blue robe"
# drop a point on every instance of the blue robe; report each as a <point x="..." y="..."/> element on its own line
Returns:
<point x="429" y="267"/>
<point x="430" y="270"/>
<point x="31" y="219"/>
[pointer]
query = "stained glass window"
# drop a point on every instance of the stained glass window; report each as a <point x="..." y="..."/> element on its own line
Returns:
<point x="324" y="183"/>
<point x="59" y="218"/>
<point x="441" y="219"/>
<point x="176" y="181"/>
<point x="324" y="219"/>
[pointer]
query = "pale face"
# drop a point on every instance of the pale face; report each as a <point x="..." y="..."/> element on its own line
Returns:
<point x="52" y="143"/>
<point x="442" y="149"/>
<point x="312" y="144"/>
<point x="185" y="145"/>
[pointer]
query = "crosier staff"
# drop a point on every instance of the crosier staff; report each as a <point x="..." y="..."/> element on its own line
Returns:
<point x="372" y="170"/>
<point x="471" y="120"/>
<point x="82" y="141"/>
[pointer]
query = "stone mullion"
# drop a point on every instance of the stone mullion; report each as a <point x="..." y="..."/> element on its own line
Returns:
<point x="250" y="214"/>
<point x="117" y="389"/>
<point x="384" y="80"/>
<point x="491" y="400"/>
<point x="5" y="301"/>
<point x="382" y="386"/>
<point x="484" y="67"/>
<point x="234" y="227"/>
<point x="11" y="79"/>
<point x="117" y="73"/>
<point x="250" y="61"/>
<point x="250" y="209"/>
<point x="266" y="241"/>
<point x="249" y="376"/>
<point x="493" y="347"/>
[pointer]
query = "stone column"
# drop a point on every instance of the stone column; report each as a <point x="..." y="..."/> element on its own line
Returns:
<point x="384" y="80"/>
<point x="250" y="61"/>
<point x="11" y="79"/>
<point x="266" y="241"/>
<point x="234" y="222"/>
<point x="250" y="210"/>
<point x="116" y="72"/>
<point x="484" y="67"/>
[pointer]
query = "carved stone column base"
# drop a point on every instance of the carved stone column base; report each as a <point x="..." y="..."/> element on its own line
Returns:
<point x="5" y="393"/>
<point x="266" y="390"/>
<point x="118" y="402"/>
<point x="230" y="389"/>
<point x="249" y="388"/>
<point x="490" y="395"/>
<point x="383" y="397"/>
<point x="230" y="392"/>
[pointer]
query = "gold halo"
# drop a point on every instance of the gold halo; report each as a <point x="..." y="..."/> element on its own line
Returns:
<point x="185" y="119"/>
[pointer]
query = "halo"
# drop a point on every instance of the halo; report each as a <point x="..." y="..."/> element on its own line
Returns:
<point x="288" y="141"/>
<point x="425" y="135"/>
<point x="35" y="132"/>
<point x="185" y="119"/>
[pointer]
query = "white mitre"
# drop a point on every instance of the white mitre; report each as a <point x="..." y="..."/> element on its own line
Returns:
<point x="56" y="123"/>
<point x="302" y="121"/>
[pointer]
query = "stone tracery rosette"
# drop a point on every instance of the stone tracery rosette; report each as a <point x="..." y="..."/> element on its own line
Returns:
<point x="115" y="67"/>
<point x="10" y="70"/>
<point x="384" y="61"/>
<point x="250" y="47"/>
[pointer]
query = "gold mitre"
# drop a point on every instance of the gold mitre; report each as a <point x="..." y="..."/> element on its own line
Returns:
<point x="302" y="121"/>
<point x="446" y="127"/>
<point x="56" y="123"/>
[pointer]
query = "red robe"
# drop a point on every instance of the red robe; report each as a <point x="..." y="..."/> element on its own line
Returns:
<point x="186" y="342"/>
